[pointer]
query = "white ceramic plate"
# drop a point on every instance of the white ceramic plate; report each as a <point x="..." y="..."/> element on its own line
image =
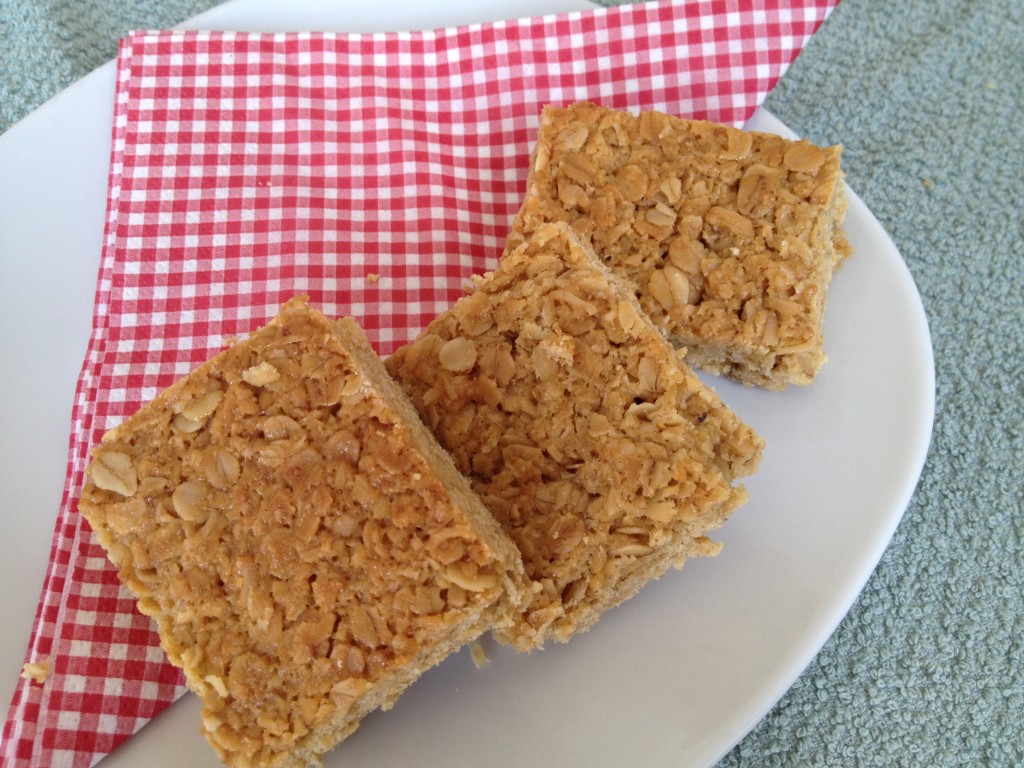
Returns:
<point x="677" y="675"/>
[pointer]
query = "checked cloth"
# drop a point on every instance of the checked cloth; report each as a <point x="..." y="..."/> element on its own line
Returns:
<point x="374" y="173"/>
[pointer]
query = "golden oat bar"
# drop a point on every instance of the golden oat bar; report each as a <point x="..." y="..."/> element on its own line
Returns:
<point x="729" y="238"/>
<point x="305" y="546"/>
<point x="603" y="457"/>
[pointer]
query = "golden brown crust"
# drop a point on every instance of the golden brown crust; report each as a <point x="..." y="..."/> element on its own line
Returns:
<point x="729" y="238"/>
<point x="604" y="458"/>
<point x="304" y="545"/>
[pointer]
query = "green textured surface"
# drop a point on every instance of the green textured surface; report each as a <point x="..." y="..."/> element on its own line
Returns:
<point x="928" y="99"/>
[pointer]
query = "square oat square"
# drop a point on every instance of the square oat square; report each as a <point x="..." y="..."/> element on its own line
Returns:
<point x="600" y="453"/>
<point x="729" y="238"/>
<point x="305" y="546"/>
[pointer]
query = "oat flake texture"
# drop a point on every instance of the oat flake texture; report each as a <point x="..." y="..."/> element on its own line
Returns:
<point x="600" y="453"/>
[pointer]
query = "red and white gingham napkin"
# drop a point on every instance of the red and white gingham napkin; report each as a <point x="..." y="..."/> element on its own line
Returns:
<point x="374" y="173"/>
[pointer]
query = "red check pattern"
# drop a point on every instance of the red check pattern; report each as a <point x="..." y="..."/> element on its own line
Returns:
<point x="374" y="173"/>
